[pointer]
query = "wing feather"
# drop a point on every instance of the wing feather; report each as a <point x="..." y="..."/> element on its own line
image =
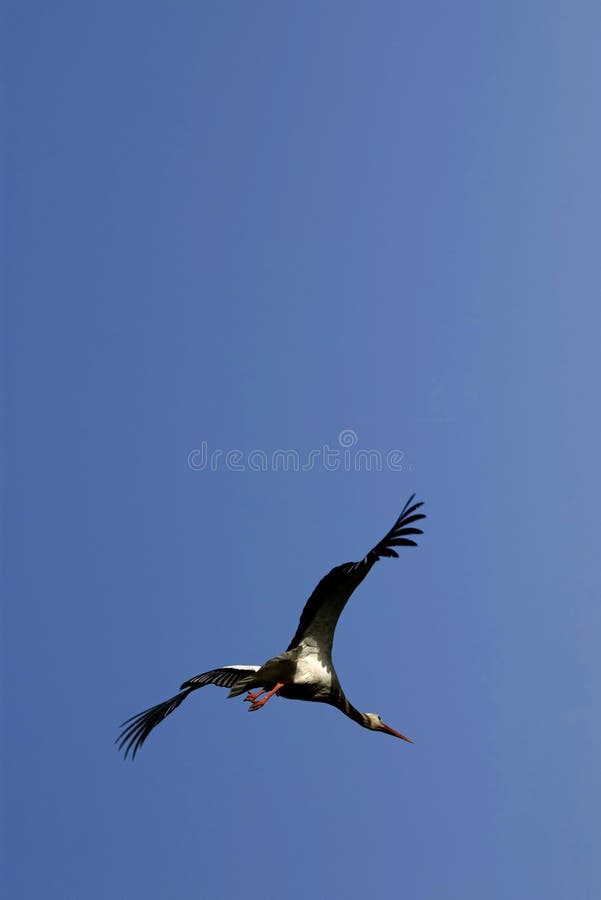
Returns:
<point x="226" y="676"/>
<point x="322" y="610"/>
<point x="138" y="727"/>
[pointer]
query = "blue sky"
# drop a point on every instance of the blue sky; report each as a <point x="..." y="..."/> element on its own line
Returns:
<point x="256" y="226"/>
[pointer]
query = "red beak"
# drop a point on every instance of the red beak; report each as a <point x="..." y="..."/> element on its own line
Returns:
<point x="388" y="730"/>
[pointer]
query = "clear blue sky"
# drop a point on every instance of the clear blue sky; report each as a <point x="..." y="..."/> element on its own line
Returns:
<point x="256" y="225"/>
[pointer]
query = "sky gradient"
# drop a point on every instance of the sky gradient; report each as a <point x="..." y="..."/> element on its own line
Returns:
<point x="258" y="226"/>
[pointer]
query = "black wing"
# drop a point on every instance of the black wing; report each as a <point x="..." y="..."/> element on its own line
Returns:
<point x="136" y="730"/>
<point x="322" y="609"/>
<point x="226" y="676"/>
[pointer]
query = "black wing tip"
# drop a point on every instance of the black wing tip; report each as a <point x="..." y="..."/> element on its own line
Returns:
<point x="133" y="736"/>
<point x="397" y="536"/>
<point x="136" y="729"/>
<point x="405" y="509"/>
<point x="409" y="513"/>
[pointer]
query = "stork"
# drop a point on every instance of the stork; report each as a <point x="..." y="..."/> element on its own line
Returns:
<point x="305" y="670"/>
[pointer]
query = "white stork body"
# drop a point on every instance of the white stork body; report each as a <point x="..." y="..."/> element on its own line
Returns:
<point x="305" y="670"/>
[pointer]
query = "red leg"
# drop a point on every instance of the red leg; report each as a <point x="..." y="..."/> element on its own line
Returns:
<point x="257" y="704"/>
<point x="252" y="696"/>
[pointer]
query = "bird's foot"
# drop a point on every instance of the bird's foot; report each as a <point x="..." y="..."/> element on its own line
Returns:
<point x="252" y="696"/>
<point x="257" y="704"/>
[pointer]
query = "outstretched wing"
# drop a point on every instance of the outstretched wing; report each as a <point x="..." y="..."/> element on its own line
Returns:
<point x="322" y="610"/>
<point x="226" y="676"/>
<point x="136" y="730"/>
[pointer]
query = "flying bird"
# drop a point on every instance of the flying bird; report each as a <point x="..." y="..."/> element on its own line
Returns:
<point x="305" y="670"/>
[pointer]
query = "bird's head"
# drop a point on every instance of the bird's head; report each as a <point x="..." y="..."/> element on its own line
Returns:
<point x="374" y="722"/>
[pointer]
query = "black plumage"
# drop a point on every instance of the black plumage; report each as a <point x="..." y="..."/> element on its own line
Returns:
<point x="305" y="670"/>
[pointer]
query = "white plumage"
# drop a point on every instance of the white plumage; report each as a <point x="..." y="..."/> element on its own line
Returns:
<point x="304" y="671"/>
